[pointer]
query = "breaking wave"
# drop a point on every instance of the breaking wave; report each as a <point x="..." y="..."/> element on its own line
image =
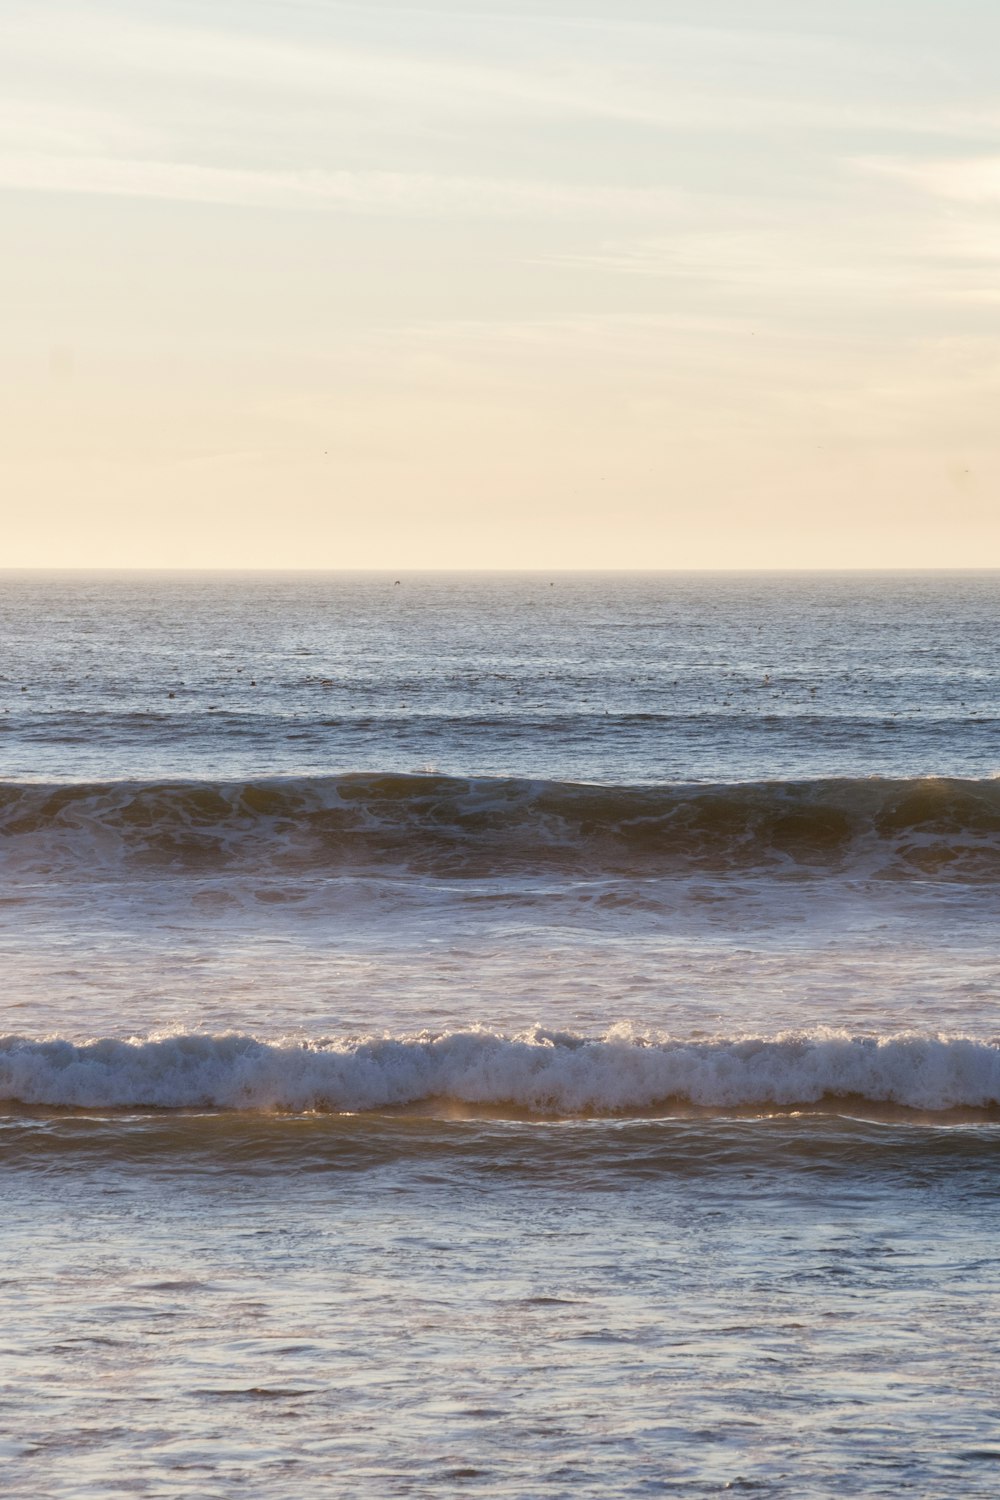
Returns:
<point x="927" y="828"/>
<point x="542" y="1072"/>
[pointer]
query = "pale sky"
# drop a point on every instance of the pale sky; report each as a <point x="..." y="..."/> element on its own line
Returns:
<point x="575" y="283"/>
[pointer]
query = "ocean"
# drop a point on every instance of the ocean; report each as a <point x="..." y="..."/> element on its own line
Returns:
<point x="500" y="1035"/>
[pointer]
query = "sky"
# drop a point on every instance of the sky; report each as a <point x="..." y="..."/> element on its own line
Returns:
<point x="498" y="284"/>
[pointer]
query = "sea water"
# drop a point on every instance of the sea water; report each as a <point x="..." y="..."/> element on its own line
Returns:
<point x="499" y="1035"/>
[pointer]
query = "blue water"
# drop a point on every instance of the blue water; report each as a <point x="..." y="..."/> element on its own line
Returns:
<point x="623" y="679"/>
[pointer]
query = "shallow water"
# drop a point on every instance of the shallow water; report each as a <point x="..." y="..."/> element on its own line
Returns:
<point x="512" y="1035"/>
<point x="782" y="1307"/>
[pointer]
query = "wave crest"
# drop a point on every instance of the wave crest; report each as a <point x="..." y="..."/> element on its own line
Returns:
<point x="933" y="827"/>
<point x="555" y="1073"/>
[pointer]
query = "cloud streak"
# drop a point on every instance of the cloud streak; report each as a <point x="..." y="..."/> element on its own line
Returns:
<point x="665" y="77"/>
<point x="353" y="191"/>
<point x="973" y="179"/>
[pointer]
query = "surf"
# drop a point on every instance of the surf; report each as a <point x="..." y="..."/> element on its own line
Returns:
<point x="563" y="1073"/>
<point x="932" y="827"/>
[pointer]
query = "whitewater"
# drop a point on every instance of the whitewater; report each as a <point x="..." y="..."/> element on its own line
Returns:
<point x="563" y="1073"/>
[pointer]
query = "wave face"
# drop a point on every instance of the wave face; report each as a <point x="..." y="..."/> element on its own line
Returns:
<point x="936" y="828"/>
<point x="749" y="1152"/>
<point x="541" y="1072"/>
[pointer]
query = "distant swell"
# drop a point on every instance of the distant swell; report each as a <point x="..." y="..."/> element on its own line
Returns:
<point x="557" y="1073"/>
<point x="928" y="828"/>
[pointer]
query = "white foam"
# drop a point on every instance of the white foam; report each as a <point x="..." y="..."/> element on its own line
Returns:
<point x="537" y="1070"/>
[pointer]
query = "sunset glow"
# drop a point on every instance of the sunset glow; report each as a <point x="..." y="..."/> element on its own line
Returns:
<point x="642" y="285"/>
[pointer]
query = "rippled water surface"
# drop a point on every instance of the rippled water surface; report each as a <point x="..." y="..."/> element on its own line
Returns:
<point x="506" y="1035"/>
<point x="621" y="679"/>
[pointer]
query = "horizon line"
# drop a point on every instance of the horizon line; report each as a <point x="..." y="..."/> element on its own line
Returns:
<point x="208" y="569"/>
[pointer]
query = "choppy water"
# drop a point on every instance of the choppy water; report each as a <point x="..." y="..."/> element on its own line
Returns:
<point x="521" y="1036"/>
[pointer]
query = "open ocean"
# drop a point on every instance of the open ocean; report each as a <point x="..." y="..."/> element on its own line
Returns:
<point x="505" y="1036"/>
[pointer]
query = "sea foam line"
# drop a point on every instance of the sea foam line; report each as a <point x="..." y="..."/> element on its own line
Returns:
<point x="537" y="1070"/>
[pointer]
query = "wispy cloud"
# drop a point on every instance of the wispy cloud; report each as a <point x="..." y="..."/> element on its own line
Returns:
<point x="438" y="83"/>
<point x="664" y="76"/>
<point x="363" y="192"/>
<point x="802" y="265"/>
<point x="973" y="179"/>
